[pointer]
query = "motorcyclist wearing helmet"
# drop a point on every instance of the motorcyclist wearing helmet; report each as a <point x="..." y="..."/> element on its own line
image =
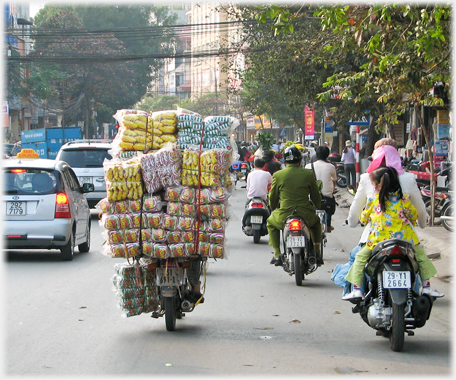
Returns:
<point x="270" y="165"/>
<point x="289" y="195"/>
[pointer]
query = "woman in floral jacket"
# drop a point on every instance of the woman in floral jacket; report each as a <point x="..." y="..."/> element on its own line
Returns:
<point x="392" y="216"/>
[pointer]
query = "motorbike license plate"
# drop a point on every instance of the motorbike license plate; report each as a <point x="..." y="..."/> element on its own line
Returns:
<point x="396" y="280"/>
<point x="256" y="219"/>
<point x="16" y="208"/>
<point x="170" y="276"/>
<point x="296" y="242"/>
<point x="243" y="171"/>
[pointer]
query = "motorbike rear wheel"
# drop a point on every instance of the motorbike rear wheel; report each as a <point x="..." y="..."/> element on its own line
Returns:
<point x="256" y="236"/>
<point x="448" y="211"/>
<point x="299" y="275"/>
<point x="170" y="313"/>
<point x="398" y="328"/>
<point x="341" y="178"/>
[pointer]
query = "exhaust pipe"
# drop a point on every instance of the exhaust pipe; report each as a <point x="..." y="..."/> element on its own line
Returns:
<point x="187" y="305"/>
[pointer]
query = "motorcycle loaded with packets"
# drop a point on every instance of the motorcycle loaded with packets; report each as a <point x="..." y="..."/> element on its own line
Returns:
<point x="299" y="258"/>
<point x="254" y="220"/>
<point x="393" y="304"/>
<point x="176" y="297"/>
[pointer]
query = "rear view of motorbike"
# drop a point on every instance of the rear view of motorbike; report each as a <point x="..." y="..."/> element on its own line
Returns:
<point x="393" y="304"/>
<point x="254" y="220"/>
<point x="299" y="258"/>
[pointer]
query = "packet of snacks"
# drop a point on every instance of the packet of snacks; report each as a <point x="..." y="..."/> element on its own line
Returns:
<point x="177" y="250"/>
<point x="123" y="179"/>
<point x="152" y="203"/>
<point x="172" y="193"/>
<point x="162" y="169"/>
<point x="217" y="210"/>
<point x="161" y="251"/>
<point x="173" y="208"/>
<point x="187" y="195"/>
<point x="217" y="238"/>
<point x="154" y="219"/>
<point x="217" y="251"/>
<point x="135" y="131"/>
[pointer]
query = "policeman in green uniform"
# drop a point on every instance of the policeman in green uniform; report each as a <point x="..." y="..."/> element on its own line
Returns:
<point x="292" y="186"/>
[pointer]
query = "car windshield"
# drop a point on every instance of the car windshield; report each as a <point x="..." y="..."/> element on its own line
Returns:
<point x="29" y="181"/>
<point x="84" y="158"/>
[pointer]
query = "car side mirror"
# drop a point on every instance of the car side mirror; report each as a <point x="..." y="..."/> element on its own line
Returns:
<point x="88" y="187"/>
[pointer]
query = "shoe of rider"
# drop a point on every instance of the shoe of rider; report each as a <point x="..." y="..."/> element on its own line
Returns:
<point x="355" y="294"/>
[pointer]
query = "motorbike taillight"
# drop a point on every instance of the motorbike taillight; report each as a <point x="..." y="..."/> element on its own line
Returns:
<point x="295" y="225"/>
<point x="256" y="205"/>
<point x="243" y="165"/>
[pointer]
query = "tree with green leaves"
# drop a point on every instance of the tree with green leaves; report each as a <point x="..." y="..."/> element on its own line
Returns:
<point x="86" y="58"/>
<point x="404" y="49"/>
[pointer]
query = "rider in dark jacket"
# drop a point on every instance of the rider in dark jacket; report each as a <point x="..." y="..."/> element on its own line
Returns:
<point x="271" y="166"/>
<point x="292" y="187"/>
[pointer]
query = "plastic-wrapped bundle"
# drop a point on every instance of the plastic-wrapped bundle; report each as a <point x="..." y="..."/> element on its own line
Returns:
<point x="135" y="289"/>
<point x="123" y="179"/>
<point x="166" y="123"/>
<point x="162" y="169"/>
<point x="152" y="203"/>
<point x="136" y="132"/>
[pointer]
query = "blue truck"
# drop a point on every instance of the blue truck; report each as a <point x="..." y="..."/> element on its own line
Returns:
<point x="47" y="141"/>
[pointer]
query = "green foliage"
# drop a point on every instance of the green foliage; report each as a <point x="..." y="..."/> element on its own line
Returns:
<point x="157" y="103"/>
<point x="265" y="140"/>
<point x="209" y="104"/>
<point x="94" y="84"/>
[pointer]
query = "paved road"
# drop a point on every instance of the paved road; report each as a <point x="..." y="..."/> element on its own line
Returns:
<point x="61" y="319"/>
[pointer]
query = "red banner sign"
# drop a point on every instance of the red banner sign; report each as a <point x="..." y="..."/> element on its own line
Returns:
<point x="309" y="121"/>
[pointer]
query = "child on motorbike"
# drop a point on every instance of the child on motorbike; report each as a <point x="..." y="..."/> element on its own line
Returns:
<point x="392" y="216"/>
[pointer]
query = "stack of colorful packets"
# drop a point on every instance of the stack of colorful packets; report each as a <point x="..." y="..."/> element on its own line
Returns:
<point x="165" y="127"/>
<point x="123" y="221"/>
<point x="135" y="131"/>
<point x="123" y="179"/>
<point x="210" y="167"/>
<point x="182" y="216"/>
<point x="190" y="128"/>
<point x="135" y="288"/>
<point x="162" y="168"/>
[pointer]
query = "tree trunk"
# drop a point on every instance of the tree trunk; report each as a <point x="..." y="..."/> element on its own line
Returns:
<point x="372" y="137"/>
<point x="432" y="181"/>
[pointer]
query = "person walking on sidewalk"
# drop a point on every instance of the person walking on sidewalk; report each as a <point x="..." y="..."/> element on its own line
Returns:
<point x="349" y="160"/>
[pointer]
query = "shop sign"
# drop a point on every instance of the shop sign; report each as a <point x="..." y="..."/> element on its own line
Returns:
<point x="309" y="122"/>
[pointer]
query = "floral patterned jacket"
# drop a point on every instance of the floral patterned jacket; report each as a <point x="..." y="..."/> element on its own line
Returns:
<point x="394" y="223"/>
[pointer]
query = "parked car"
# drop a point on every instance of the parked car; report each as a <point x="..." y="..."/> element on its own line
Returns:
<point x="86" y="158"/>
<point x="44" y="206"/>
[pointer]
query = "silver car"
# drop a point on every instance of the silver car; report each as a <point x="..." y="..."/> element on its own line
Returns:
<point x="86" y="158"/>
<point x="44" y="206"/>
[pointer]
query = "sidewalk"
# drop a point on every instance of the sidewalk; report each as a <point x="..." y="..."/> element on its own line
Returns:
<point x="436" y="240"/>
